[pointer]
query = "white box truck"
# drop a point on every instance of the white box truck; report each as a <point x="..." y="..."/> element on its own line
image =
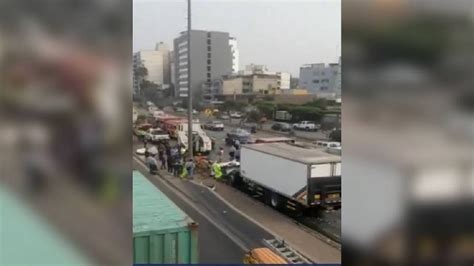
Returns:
<point x="287" y="176"/>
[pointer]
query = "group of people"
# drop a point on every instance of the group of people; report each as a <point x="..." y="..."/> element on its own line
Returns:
<point x="173" y="159"/>
<point x="170" y="158"/>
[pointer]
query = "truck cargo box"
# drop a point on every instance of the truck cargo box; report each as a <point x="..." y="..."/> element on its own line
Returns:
<point x="308" y="176"/>
<point x="162" y="233"/>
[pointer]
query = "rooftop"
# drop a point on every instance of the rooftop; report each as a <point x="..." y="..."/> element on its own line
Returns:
<point x="291" y="152"/>
<point x="152" y="210"/>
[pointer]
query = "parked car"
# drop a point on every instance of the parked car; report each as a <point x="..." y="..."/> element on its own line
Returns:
<point x="156" y="134"/>
<point x="224" y="117"/>
<point x="305" y="125"/>
<point x="236" y="115"/>
<point x="237" y="134"/>
<point x="328" y="144"/>
<point x="214" y="125"/>
<point x="180" y="110"/>
<point x="251" y="127"/>
<point x="284" y="127"/>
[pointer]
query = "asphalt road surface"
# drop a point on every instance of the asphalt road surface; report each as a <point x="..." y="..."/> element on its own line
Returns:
<point x="224" y="234"/>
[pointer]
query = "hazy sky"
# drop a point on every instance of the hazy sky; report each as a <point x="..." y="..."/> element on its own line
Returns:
<point x="280" y="34"/>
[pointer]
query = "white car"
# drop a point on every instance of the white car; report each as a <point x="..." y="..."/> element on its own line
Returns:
<point x="156" y="134"/>
<point x="214" y="125"/>
<point x="305" y="125"/>
<point x="328" y="144"/>
<point x="236" y="115"/>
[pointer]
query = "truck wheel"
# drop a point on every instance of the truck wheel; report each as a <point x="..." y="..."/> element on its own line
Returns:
<point x="275" y="200"/>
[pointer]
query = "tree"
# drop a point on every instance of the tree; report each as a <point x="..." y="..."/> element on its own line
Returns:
<point x="141" y="72"/>
<point x="149" y="90"/>
<point x="306" y="113"/>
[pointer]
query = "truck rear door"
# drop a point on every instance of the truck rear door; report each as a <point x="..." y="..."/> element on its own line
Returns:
<point x="324" y="184"/>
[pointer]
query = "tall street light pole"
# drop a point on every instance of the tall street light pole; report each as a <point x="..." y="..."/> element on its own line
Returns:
<point x="190" y="95"/>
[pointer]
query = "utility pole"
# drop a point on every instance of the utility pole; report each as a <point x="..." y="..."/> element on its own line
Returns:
<point x="190" y="95"/>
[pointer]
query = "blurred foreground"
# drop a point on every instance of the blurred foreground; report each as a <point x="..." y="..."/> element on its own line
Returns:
<point x="64" y="131"/>
<point x="408" y="101"/>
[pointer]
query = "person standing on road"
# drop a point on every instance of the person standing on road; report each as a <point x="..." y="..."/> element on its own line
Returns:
<point x="190" y="168"/>
<point x="170" y="160"/>
<point x="262" y="121"/>
<point x="173" y="152"/>
<point x="220" y="154"/>
<point x="145" y="142"/>
<point x="176" y="165"/>
<point x="167" y="149"/>
<point x="237" y="153"/>
<point x="152" y="164"/>
<point x="163" y="162"/>
<point x="216" y="169"/>
<point x="232" y="152"/>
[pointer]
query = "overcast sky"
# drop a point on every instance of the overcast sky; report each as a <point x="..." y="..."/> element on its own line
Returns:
<point x="280" y="34"/>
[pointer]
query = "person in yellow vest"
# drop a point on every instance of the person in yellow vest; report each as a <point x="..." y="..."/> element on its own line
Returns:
<point x="216" y="168"/>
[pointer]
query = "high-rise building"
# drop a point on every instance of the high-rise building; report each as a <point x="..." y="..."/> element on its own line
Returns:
<point x="211" y="58"/>
<point x="320" y="78"/>
<point x="136" y="79"/>
<point x="157" y="63"/>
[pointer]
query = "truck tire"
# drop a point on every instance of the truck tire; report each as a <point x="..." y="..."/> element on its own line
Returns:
<point x="276" y="200"/>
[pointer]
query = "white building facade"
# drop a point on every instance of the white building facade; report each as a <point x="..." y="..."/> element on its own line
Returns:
<point x="235" y="54"/>
<point x="157" y="63"/>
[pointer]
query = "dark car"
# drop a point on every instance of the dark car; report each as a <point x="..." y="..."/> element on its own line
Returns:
<point x="237" y="134"/>
<point x="251" y="127"/>
<point x="281" y="127"/>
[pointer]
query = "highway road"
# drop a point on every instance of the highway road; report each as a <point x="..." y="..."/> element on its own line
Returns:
<point x="224" y="234"/>
<point x="267" y="131"/>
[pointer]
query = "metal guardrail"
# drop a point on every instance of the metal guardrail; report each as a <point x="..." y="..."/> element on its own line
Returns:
<point x="285" y="251"/>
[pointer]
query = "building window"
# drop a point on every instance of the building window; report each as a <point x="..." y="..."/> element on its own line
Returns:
<point x="208" y="75"/>
<point x="324" y="88"/>
<point x="315" y="81"/>
<point x="209" y="56"/>
<point x="208" y="61"/>
<point x="209" y="48"/>
<point x="209" y="41"/>
<point x="208" y="35"/>
<point x="209" y="68"/>
<point x="209" y="80"/>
